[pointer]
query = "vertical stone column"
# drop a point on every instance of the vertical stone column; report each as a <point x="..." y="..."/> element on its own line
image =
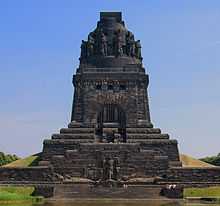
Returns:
<point x="147" y="109"/>
<point x="77" y="107"/>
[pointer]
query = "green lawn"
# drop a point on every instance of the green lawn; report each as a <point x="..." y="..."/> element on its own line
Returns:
<point x="202" y="192"/>
<point x="16" y="194"/>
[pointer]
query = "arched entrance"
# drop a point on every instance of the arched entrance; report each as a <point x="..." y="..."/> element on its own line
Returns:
<point x="111" y="124"/>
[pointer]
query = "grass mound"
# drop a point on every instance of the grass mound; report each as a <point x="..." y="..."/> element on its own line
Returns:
<point x="17" y="190"/>
<point x="26" y="162"/>
<point x="12" y="193"/>
<point x="202" y="192"/>
<point x="188" y="161"/>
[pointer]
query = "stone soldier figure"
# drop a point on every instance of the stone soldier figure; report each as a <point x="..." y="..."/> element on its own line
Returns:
<point x="111" y="169"/>
<point x="138" y="49"/>
<point x="106" y="168"/>
<point x="83" y="49"/>
<point x="103" y="43"/>
<point x="90" y="45"/>
<point x="130" y="44"/>
<point x="115" y="169"/>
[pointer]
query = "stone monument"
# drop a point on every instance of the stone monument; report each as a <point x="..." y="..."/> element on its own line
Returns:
<point x="110" y="123"/>
<point x="110" y="141"/>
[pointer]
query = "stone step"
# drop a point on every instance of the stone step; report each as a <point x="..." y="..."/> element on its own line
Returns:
<point x="140" y="158"/>
<point x="138" y="154"/>
<point x="75" y="154"/>
<point x="134" y="165"/>
<point x="73" y="170"/>
<point x="146" y="152"/>
<point x="88" y="153"/>
<point x="131" y="138"/>
<point x="82" y="156"/>
<point x="150" y="141"/>
<point x="127" y="159"/>
<point x="110" y="147"/>
<point x="67" y="142"/>
<point x="77" y="130"/>
<point x="143" y="130"/>
<point x="111" y="154"/>
<point x="175" y="164"/>
<point x="75" y="125"/>
<point x="146" y="136"/>
<point x="77" y="165"/>
<point x="83" y="141"/>
<point x="130" y="131"/>
<point x="73" y="136"/>
<point x="82" y="160"/>
<point x="86" y="191"/>
<point x="135" y="161"/>
<point x="147" y="158"/>
<point x="79" y="162"/>
<point x="145" y="162"/>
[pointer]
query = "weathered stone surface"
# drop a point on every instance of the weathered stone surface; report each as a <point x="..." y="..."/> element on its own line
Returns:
<point x="28" y="174"/>
<point x="198" y="175"/>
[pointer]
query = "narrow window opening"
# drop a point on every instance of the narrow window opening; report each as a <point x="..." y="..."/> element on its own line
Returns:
<point x="122" y="87"/>
<point x="110" y="87"/>
<point x="98" y="87"/>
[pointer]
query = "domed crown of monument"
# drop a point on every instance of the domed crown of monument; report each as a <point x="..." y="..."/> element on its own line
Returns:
<point x="110" y="44"/>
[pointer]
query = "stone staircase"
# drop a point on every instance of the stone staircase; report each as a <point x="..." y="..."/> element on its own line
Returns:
<point x="75" y="191"/>
<point x="146" y="152"/>
<point x="82" y="134"/>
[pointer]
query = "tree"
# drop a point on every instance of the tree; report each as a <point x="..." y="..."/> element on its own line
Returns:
<point x="215" y="160"/>
<point x="7" y="158"/>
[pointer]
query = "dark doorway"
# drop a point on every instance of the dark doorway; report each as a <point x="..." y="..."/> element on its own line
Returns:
<point x="112" y="119"/>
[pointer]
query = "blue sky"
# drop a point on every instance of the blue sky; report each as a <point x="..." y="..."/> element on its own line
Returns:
<point x="39" y="51"/>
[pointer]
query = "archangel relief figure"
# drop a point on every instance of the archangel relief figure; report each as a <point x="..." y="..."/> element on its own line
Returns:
<point x="130" y="44"/>
<point x="90" y="45"/>
<point x="103" y="44"/>
<point x="138" y="49"/>
<point x="119" y="43"/>
<point x="123" y="44"/>
<point x="83" y="49"/>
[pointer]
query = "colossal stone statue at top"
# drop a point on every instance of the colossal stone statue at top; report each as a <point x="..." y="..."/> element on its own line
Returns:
<point x="110" y="44"/>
